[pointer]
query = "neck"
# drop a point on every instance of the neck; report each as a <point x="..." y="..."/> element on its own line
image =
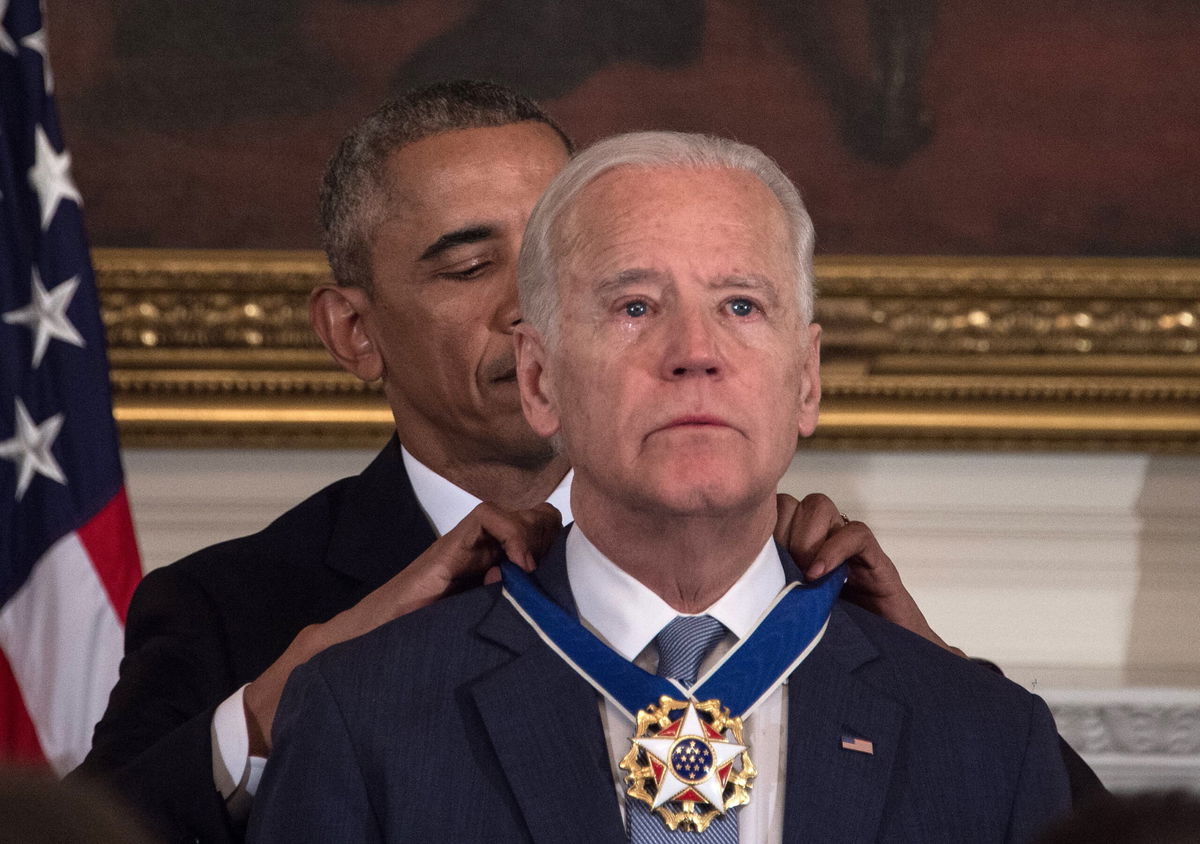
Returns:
<point x="515" y="487"/>
<point x="689" y="561"/>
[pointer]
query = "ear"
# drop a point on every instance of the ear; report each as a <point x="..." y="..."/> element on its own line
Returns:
<point x="338" y="315"/>
<point x="537" y="395"/>
<point x="810" y="381"/>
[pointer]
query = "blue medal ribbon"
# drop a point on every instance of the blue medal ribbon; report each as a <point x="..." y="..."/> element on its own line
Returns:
<point x="785" y="635"/>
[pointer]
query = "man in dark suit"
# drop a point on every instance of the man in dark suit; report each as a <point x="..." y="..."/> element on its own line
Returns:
<point x="424" y="206"/>
<point x="669" y="351"/>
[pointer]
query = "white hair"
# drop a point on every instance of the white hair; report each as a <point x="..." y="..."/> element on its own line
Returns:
<point x="538" y="266"/>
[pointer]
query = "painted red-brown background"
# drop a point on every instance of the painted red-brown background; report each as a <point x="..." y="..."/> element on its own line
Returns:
<point x="1057" y="128"/>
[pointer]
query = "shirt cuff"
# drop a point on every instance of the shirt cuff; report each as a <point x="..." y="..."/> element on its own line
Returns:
<point x="235" y="772"/>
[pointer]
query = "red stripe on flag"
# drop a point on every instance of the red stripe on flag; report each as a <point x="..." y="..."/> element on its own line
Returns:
<point x="109" y="541"/>
<point x="18" y="739"/>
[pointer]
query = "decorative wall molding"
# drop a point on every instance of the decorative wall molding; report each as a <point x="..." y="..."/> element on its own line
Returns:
<point x="1134" y="738"/>
<point x="1134" y="721"/>
<point x="214" y="348"/>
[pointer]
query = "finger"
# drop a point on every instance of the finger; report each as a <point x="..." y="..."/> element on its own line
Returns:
<point x="852" y="541"/>
<point x="491" y="576"/>
<point x="786" y="508"/>
<point x="522" y="535"/>
<point x="816" y="518"/>
<point x="822" y="513"/>
<point x="870" y="568"/>
<point x="547" y="524"/>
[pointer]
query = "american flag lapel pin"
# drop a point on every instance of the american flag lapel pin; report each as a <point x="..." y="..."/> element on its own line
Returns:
<point x="858" y="744"/>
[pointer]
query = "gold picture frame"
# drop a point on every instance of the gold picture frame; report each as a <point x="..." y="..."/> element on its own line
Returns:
<point x="213" y="348"/>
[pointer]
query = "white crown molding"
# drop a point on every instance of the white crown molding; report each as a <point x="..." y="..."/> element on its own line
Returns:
<point x="1134" y="738"/>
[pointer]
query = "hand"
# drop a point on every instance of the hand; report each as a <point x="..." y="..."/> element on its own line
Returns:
<point x="468" y="554"/>
<point x="820" y="539"/>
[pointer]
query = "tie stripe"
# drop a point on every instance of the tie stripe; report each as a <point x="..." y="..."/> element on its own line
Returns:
<point x="682" y="646"/>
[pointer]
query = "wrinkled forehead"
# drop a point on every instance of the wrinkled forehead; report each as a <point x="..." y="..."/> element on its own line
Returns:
<point x="630" y="211"/>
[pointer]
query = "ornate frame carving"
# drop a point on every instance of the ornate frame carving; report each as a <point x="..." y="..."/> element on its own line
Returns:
<point x="213" y="348"/>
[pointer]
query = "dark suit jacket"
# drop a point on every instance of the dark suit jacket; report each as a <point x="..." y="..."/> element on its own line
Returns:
<point x="457" y="723"/>
<point x="202" y="627"/>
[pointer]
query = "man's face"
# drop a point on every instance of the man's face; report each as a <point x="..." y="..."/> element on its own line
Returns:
<point x="682" y="371"/>
<point x="444" y="299"/>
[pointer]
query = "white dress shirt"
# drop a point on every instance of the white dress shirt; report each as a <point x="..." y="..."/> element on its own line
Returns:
<point x="235" y="772"/>
<point x="627" y="616"/>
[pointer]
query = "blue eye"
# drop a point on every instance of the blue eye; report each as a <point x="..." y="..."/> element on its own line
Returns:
<point x="741" y="307"/>
<point x="635" y="309"/>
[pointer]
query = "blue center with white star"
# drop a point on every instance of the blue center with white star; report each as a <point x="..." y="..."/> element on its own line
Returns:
<point x="691" y="759"/>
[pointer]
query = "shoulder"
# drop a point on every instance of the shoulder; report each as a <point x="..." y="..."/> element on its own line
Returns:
<point x="430" y="648"/>
<point x="301" y="538"/>
<point x="422" y="664"/>
<point x="296" y="538"/>
<point x="930" y="679"/>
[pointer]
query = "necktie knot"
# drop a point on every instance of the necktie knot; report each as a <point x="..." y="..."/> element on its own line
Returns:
<point x="683" y="644"/>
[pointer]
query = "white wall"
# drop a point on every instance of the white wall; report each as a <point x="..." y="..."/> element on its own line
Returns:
<point x="1078" y="573"/>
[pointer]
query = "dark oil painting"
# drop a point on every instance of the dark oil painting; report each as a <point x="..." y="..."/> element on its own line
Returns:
<point x="974" y="127"/>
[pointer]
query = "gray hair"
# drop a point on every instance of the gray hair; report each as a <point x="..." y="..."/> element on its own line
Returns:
<point x="538" y="268"/>
<point x="354" y="192"/>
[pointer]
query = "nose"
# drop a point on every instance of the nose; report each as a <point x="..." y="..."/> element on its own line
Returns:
<point x="693" y="348"/>
<point x="508" y="311"/>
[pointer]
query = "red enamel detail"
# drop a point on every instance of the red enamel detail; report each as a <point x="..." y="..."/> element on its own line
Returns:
<point x="723" y="771"/>
<point x="657" y="768"/>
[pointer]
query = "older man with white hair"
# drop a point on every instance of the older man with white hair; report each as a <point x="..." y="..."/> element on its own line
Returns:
<point x="664" y="675"/>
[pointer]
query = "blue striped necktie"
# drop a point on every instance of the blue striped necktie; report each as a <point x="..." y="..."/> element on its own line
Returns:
<point x="682" y="646"/>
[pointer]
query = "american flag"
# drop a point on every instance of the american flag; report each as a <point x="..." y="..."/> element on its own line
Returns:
<point x="858" y="744"/>
<point x="68" y="559"/>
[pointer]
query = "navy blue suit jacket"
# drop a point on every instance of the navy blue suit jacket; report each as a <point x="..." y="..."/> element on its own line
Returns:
<point x="457" y="723"/>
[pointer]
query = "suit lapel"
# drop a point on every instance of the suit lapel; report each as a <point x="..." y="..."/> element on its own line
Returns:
<point x="837" y="794"/>
<point x="544" y="724"/>
<point x="387" y="529"/>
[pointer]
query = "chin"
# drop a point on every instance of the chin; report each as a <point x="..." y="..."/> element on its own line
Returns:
<point x="518" y="446"/>
<point x="697" y="492"/>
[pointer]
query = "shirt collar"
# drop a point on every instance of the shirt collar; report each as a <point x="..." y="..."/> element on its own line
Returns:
<point x="628" y="615"/>
<point x="446" y="504"/>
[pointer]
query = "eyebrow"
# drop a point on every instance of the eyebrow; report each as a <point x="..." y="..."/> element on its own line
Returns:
<point x="626" y="278"/>
<point x="458" y="237"/>
<point x="744" y="282"/>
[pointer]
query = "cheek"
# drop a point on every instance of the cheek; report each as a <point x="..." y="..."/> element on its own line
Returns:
<point x="591" y="397"/>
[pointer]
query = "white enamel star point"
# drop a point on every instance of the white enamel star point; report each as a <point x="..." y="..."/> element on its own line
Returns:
<point x="46" y="316"/>
<point x="50" y="176"/>
<point x="694" y="760"/>
<point x="30" y="448"/>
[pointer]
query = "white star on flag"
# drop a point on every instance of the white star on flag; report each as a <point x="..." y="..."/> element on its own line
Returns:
<point x="692" y="759"/>
<point x="6" y="42"/>
<point x="36" y="41"/>
<point x="30" y="448"/>
<point x="46" y="316"/>
<point x="51" y="177"/>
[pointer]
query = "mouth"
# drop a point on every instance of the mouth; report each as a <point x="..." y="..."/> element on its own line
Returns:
<point x="508" y="377"/>
<point x="695" y="420"/>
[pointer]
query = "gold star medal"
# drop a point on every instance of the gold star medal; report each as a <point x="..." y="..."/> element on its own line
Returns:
<point x="688" y="763"/>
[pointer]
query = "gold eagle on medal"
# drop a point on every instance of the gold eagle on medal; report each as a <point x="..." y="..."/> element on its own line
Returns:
<point x="684" y="765"/>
